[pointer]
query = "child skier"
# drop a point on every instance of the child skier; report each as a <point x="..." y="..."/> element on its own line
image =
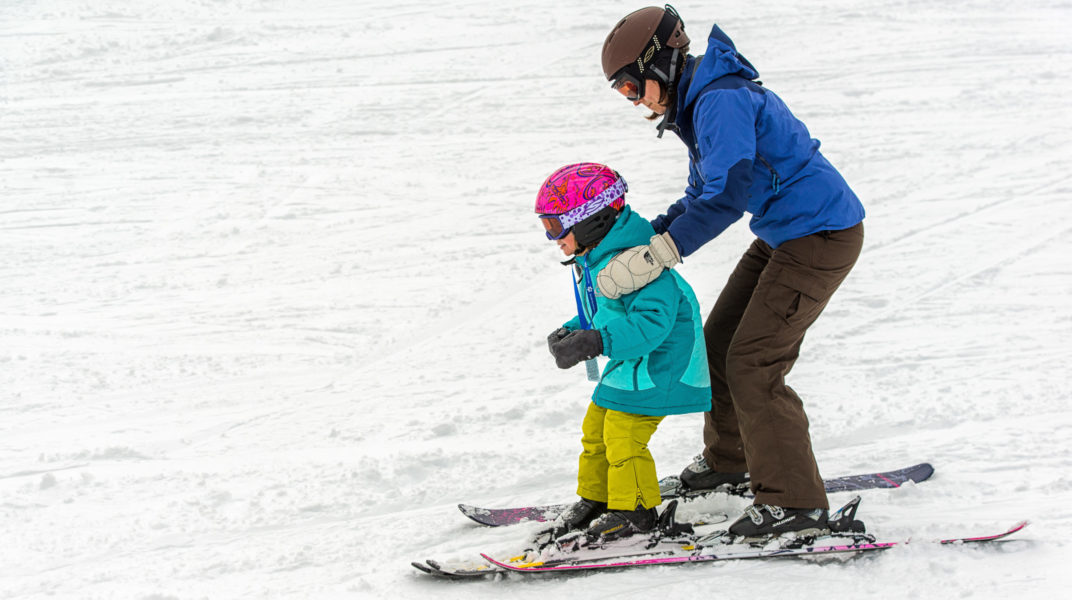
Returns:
<point x="653" y="339"/>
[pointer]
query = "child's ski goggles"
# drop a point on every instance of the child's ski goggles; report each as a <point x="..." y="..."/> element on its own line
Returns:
<point x="558" y="226"/>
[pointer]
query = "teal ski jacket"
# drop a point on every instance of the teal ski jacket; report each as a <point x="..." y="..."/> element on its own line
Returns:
<point x="653" y="337"/>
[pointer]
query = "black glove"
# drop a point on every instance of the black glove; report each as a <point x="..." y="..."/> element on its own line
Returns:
<point x="556" y="336"/>
<point x="577" y="346"/>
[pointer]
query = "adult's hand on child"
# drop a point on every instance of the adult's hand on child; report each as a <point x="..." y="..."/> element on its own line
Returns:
<point x="638" y="266"/>
<point x="579" y="345"/>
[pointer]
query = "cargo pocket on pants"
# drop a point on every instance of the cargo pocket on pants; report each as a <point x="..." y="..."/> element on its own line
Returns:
<point x="795" y="298"/>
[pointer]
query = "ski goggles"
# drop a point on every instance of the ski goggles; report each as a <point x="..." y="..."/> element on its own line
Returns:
<point x="629" y="86"/>
<point x="559" y="226"/>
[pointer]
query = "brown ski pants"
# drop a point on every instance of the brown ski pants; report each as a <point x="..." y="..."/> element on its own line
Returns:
<point x="753" y="333"/>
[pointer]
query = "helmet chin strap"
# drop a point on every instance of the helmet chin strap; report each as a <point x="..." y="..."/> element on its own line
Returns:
<point x="671" y="93"/>
<point x="588" y="233"/>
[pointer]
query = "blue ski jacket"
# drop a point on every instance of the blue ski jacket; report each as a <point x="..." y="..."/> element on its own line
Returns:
<point x="747" y="152"/>
<point x="653" y="337"/>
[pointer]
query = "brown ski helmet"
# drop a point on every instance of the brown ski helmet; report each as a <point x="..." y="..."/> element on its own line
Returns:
<point x="639" y="39"/>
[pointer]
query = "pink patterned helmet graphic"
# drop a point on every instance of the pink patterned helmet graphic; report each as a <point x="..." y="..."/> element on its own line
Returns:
<point x="580" y="185"/>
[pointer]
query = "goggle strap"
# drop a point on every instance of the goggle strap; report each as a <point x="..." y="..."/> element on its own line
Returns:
<point x="601" y="201"/>
<point x="662" y="36"/>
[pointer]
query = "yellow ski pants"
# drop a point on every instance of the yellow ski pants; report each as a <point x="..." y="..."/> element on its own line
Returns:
<point x="616" y="466"/>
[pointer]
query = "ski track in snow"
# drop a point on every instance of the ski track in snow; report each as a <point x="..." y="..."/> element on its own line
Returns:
<point x="274" y="300"/>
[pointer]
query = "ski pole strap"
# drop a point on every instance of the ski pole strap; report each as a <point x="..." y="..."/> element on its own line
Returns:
<point x="591" y="365"/>
<point x="590" y="289"/>
<point x="580" y="308"/>
<point x="590" y="295"/>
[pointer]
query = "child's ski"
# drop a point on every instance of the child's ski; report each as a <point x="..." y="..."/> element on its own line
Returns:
<point x="470" y="571"/>
<point x="671" y="488"/>
<point x="710" y="554"/>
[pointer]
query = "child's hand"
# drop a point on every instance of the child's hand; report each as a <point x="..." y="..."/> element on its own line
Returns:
<point x="556" y="336"/>
<point x="579" y="345"/>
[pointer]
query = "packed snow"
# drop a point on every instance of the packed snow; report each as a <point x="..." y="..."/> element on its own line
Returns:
<point x="274" y="300"/>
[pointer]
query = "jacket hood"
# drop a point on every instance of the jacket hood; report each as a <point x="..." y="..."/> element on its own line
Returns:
<point x="629" y="230"/>
<point x="721" y="59"/>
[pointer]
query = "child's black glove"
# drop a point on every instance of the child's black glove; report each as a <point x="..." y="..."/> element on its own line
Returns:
<point x="579" y="345"/>
<point x="556" y="336"/>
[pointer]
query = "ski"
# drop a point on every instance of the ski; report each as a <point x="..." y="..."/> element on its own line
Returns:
<point x="669" y="536"/>
<point x="679" y="543"/>
<point x="705" y="554"/>
<point x="468" y="571"/>
<point x="672" y="489"/>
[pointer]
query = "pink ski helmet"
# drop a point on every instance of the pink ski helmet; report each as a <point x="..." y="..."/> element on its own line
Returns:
<point x="578" y="192"/>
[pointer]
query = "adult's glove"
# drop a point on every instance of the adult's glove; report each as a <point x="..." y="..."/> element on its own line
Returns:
<point x="579" y="345"/>
<point x="638" y="266"/>
<point x="556" y="336"/>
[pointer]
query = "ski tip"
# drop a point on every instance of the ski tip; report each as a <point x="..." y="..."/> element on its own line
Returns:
<point x="422" y="567"/>
<point x="480" y="515"/>
<point x="434" y="568"/>
<point x="923" y="472"/>
<point x="473" y="511"/>
<point x="990" y="538"/>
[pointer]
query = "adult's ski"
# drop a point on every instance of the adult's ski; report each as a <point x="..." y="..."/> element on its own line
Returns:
<point x="672" y="489"/>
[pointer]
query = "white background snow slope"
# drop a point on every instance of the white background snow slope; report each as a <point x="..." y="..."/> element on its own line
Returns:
<point x="273" y="300"/>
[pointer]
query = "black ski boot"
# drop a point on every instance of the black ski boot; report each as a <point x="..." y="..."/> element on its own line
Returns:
<point x="761" y="522"/>
<point x="576" y="517"/>
<point x="699" y="476"/>
<point x="618" y="524"/>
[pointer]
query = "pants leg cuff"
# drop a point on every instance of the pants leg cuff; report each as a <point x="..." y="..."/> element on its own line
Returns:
<point x="592" y="494"/>
<point x="790" y="501"/>
<point x="622" y="503"/>
<point x="723" y="464"/>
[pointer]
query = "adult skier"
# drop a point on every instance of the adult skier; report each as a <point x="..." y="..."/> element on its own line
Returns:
<point x="747" y="153"/>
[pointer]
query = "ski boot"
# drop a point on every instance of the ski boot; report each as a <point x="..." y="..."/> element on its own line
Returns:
<point x="792" y="527"/>
<point x="698" y="476"/>
<point x="643" y="527"/>
<point x="796" y="527"/>
<point x="619" y="524"/>
<point x="575" y="518"/>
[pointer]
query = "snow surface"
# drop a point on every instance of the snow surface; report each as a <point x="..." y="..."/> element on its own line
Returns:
<point x="273" y="299"/>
